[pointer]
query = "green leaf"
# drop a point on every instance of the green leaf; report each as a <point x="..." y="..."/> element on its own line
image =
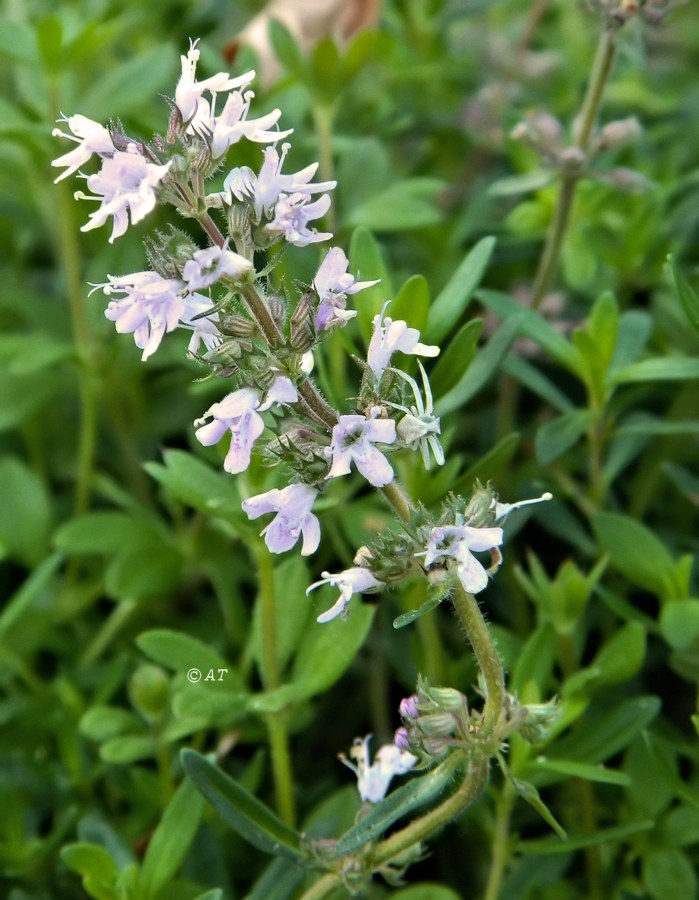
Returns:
<point x="679" y="623"/>
<point x="287" y="50"/>
<point x="245" y="814"/>
<point x="324" y="654"/>
<point x="453" y="362"/>
<point x="409" y="617"/>
<point x="533" y="326"/>
<point x="172" y="838"/>
<point x="25" y="512"/>
<point x="33" y="590"/>
<point x="555" y="437"/>
<point x="489" y="465"/>
<point x="482" y="369"/>
<point x="636" y="552"/>
<point x="669" y="873"/>
<point x="453" y="299"/>
<point x="664" y="368"/>
<point x="412" y="303"/>
<point x="195" y="483"/>
<point x="687" y="295"/>
<point x="128" y="749"/>
<point x="426" y="891"/>
<point x="101" y="723"/>
<point x="569" y="769"/>
<point x="326" y="73"/>
<point x="98" y="870"/>
<point x="618" y="660"/>
<point x="403" y="206"/>
<point x="532" y="673"/>
<point x="367" y="264"/>
<point x="533" y="379"/>
<point x="179" y="652"/>
<point x="607" y="733"/>
<point x="107" y="532"/>
<point x="144" y="573"/>
<point x="293" y="610"/>
<point x="521" y="184"/>
<point x="529" y="793"/>
<point x="398" y="804"/>
<point x="17" y="42"/>
<point x="605" y="835"/>
<point x="113" y="94"/>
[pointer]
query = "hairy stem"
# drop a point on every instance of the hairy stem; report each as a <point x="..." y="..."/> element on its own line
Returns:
<point x="584" y="126"/>
<point x="398" y="499"/>
<point x="276" y="724"/>
<point x="501" y="837"/>
<point x="479" y="637"/>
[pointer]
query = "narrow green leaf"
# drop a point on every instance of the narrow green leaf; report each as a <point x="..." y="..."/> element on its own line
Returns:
<point x="687" y="295"/>
<point x="521" y="184"/>
<point x="128" y="749"/>
<point x="113" y="94"/>
<point x="245" y="814"/>
<point x="664" y="368"/>
<point x="482" y="369"/>
<point x="101" y="723"/>
<point x="367" y="264"/>
<point x="452" y="301"/>
<point x="529" y="793"/>
<point x="398" y="804"/>
<point x="545" y="846"/>
<point x="555" y="437"/>
<point x="107" y="532"/>
<point x="489" y="465"/>
<point x="97" y="868"/>
<point x="195" y="483"/>
<point x="25" y="512"/>
<point x="32" y="590"/>
<point x="533" y="326"/>
<point x="291" y="578"/>
<point x="403" y="206"/>
<point x="412" y="303"/>
<point x="172" y="838"/>
<point x="287" y="50"/>
<point x="453" y="362"/>
<point x="636" y="552"/>
<point x="146" y="572"/>
<point x="426" y="891"/>
<point x="180" y="652"/>
<point x="532" y="377"/>
<point x="409" y="617"/>
<point x="679" y="623"/>
<point x="569" y="769"/>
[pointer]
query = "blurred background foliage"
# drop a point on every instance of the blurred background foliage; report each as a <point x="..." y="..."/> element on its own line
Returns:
<point x="125" y="558"/>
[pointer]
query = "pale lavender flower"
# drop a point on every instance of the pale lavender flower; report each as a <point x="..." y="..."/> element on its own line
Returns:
<point x="210" y="265"/>
<point x="373" y="780"/>
<point x="353" y="440"/>
<point x="270" y="183"/>
<point x="238" y="414"/>
<point x="282" y="391"/>
<point x="293" y="519"/>
<point x="233" y="124"/>
<point x="390" y="336"/>
<point x="356" y="580"/>
<point x="457" y="542"/>
<point x="408" y="707"/>
<point x="204" y="328"/>
<point x="419" y="428"/>
<point x="126" y="182"/>
<point x="332" y="284"/>
<point x="402" y="738"/>
<point x="91" y="137"/>
<point x="150" y="307"/>
<point x="292" y="215"/>
<point x="189" y="91"/>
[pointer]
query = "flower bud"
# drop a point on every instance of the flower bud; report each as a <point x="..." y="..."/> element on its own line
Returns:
<point x="447" y="699"/>
<point x="277" y="308"/>
<point x="148" y="690"/>
<point x="301" y="324"/>
<point x="437" y="725"/>
<point x="616" y="134"/>
<point x="238" y="326"/>
<point x="481" y="505"/>
<point x="408" y="708"/>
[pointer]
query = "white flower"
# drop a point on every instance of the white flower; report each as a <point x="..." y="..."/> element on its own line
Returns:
<point x="211" y="265"/>
<point x="91" y="137"/>
<point x="293" y="519"/>
<point x="419" y="428"/>
<point x="188" y="93"/>
<point x="263" y="190"/>
<point x="332" y="284"/>
<point x="390" y="336"/>
<point x="457" y="542"/>
<point x="232" y="125"/>
<point x="353" y="440"/>
<point x="293" y="213"/>
<point x="237" y="413"/>
<point x="126" y="181"/>
<point x="373" y="780"/>
<point x="352" y="581"/>
<point x="282" y="391"/>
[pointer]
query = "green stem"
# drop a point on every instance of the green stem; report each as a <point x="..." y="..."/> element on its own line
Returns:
<point x="116" y="620"/>
<point x="271" y="679"/>
<point x="398" y="499"/>
<point x="322" y="888"/>
<point x="585" y="123"/>
<point x="323" y="116"/>
<point x="500" y="852"/>
<point x="477" y="632"/>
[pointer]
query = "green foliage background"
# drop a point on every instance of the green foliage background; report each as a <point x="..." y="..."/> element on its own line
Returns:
<point x="126" y="559"/>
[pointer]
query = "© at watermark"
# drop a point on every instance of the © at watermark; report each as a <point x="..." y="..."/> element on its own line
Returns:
<point x="196" y="675"/>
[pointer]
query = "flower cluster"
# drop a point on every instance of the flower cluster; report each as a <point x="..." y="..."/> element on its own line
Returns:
<point x="373" y="779"/>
